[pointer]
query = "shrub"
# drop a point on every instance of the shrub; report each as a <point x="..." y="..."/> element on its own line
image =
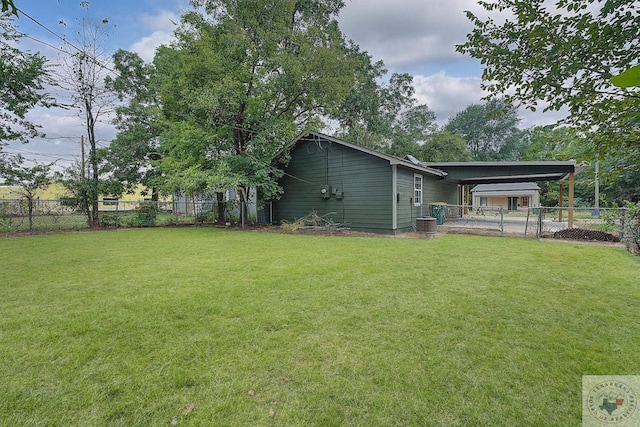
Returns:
<point x="631" y="228"/>
<point x="108" y="220"/>
<point x="6" y="222"/>
<point x="165" y="219"/>
<point x="146" y="215"/>
<point x="611" y="218"/>
<point x="208" y="217"/>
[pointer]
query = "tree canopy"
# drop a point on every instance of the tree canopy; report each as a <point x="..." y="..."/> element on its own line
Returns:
<point x="128" y="159"/>
<point x="410" y="129"/>
<point x="9" y="6"/>
<point x="23" y="77"/>
<point x="563" y="57"/>
<point x="240" y="82"/>
<point x="368" y="114"/>
<point x="490" y="129"/>
<point x="444" y="146"/>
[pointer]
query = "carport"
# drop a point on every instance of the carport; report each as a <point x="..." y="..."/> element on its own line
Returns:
<point x="468" y="174"/>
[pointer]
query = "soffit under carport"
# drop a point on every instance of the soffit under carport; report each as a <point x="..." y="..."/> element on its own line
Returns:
<point x="513" y="178"/>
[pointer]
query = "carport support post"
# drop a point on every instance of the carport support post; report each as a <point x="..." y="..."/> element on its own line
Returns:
<point x="560" y="201"/>
<point x="571" y="200"/>
<point x="466" y="200"/>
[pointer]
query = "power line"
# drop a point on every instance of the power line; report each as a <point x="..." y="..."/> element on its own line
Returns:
<point x="65" y="41"/>
<point x="45" y="43"/>
<point x="59" y="137"/>
<point x="57" y="156"/>
<point x="49" y="30"/>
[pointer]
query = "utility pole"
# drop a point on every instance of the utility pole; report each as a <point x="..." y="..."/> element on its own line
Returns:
<point x="597" y="187"/>
<point x="82" y="158"/>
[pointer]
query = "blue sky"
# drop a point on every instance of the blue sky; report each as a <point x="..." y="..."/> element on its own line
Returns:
<point x="133" y="21"/>
<point x="413" y="36"/>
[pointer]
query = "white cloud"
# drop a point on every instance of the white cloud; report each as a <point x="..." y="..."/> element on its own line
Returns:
<point x="146" y="46"/>
<point x="408" y="33"/>
<point x="446" y="95"/>
<point x="59" y="123"/>
<point x="419" y="37"/>
<point x="162" y="26"/>
<point x="63" y="129"/>
<point x="538" y="118"/>
<point x="164" y="20"/>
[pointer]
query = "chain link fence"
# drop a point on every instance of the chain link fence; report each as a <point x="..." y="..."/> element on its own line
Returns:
<point x="606" y="224"/>
<point x="54" y="215"/>
<point x="596" y="222"/>
<point x="587" y="223"/>
<point x="46" y="215"/>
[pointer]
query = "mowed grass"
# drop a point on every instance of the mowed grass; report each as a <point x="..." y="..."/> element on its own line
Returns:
<point x="201" y="326"/>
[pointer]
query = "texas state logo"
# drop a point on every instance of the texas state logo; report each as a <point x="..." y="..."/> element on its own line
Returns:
<point x="610" y="400"/>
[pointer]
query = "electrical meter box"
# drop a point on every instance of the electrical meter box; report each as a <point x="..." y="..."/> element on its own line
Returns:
<point x="325" y="191"/>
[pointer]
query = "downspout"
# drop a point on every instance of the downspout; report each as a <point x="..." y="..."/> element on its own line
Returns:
<point x="394" y="194"/>
<point x="571" y="196"/>
<point x="326" y="172"/>
<point x="411" y="208"/>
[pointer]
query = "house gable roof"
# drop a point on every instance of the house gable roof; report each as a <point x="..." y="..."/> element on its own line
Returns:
<point x="520" y="186"/>
<point x="393" y="160"/>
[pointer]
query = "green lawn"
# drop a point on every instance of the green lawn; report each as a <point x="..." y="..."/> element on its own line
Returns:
<point x="201" y="326"/>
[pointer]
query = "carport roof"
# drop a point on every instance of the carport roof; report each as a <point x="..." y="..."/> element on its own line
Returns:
<point x="470" y="173"/>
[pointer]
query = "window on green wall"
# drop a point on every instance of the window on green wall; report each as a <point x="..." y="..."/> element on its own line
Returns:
<point x="417" y="190"/>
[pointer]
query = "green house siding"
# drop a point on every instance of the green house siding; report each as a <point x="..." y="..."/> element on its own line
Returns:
<point x="365" y="190"/>
<point x="433" y="190"/>
<point x="442" y="191"/>
<point x="407" y="211"/>
<point x="360" y="185"/>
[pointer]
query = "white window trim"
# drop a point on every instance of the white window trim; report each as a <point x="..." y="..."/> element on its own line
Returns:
<point x="417" y="191"/>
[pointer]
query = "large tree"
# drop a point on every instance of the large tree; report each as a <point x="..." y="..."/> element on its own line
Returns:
<point x="444" y="146"/>
<point x="490" y="129"/>
<point x="23" y="77"/>
<point x="367" y="115"/>
<point x="82" y="76"/>
<point x="563" y="55"/>
<point x="242" y="79"/>
<point x="410" y="129"/>
<point x="128" y="159"/>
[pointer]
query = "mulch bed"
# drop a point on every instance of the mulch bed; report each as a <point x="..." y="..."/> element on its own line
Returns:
<point x="582" y="234"/>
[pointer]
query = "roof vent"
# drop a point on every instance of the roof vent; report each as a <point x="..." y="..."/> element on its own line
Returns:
<point x="412" y="159"/>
